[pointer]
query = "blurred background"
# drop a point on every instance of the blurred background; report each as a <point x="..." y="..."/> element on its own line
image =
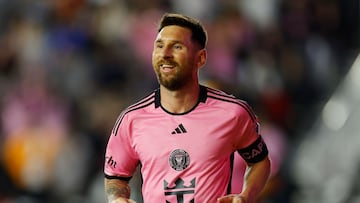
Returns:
<point x="68" y="67"/>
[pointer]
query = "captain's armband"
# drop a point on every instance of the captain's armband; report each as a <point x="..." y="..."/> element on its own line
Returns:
<point x="255" y="152"/>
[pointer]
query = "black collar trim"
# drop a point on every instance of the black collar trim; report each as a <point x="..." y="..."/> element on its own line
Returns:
<point x="202" y="96"/>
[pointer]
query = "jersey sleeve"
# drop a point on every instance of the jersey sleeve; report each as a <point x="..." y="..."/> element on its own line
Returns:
<point x="120" y="157"/>
<point x="250" y="145"/>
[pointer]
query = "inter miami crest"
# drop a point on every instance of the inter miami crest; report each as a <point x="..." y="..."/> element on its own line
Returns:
<point x="179" y="159"/>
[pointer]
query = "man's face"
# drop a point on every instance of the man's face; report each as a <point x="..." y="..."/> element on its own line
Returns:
<point x="174" y="57"/>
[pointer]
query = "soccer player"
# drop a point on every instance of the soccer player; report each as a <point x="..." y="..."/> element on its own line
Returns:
<point x="184" y="134"/>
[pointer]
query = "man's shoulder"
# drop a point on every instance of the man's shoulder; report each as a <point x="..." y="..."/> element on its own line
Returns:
<point x="229" y="102"/>
<point x="224" y="97"/>
<point x="142" y="103"/>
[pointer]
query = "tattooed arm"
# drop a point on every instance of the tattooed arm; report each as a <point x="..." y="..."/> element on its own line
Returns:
<point x="117" y="191"/>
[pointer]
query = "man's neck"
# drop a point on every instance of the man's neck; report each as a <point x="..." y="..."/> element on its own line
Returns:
<point x="179" y="101"/>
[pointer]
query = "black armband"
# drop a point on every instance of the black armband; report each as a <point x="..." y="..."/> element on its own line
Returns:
<point x="127" y="179"/>
<point x="255" y="152"/>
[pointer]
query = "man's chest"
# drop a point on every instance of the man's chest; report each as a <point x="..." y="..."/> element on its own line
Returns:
<point x="198" y="137"/>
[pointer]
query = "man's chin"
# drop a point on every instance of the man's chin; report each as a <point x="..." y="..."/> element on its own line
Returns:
<point x="171" y="85"/>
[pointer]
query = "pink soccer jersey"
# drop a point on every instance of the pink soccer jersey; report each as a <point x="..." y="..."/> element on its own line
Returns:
<point x="184" y="157"/>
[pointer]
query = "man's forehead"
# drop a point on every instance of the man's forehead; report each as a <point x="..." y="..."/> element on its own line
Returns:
<point x="174" y="32"/>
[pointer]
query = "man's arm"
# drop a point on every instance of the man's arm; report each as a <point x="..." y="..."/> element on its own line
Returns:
<point x="117" y="191"/>
<point x="256" y="176"/>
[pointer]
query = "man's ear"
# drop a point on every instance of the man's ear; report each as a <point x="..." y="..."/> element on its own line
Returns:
<point x="202" y="58"/>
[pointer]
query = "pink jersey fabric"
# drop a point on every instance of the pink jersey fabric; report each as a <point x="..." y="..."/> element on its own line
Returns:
<point x="184" y="157"/>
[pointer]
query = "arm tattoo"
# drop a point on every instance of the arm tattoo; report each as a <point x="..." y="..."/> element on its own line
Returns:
<point x="115" y="188"/>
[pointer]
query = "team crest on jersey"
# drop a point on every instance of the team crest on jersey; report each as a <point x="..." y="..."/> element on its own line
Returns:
<point x="179" y="159"/>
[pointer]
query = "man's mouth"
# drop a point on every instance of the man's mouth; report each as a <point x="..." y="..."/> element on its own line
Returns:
<point x="166" y="68"/>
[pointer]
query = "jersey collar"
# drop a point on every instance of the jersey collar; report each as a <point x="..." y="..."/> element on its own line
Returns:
<point x="202" y="96"/>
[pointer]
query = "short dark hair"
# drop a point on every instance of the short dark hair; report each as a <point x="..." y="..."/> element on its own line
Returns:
<point x="198" y="31"/>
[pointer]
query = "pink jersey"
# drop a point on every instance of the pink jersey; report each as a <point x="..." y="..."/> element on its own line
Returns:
<point x="184" y="157"/>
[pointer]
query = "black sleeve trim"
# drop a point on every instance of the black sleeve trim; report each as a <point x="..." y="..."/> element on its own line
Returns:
<point x="118" y="177"/>
<point x="255" y="152"/>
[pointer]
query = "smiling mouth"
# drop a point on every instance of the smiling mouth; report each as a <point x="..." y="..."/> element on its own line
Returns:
<point x="167" y="67"/>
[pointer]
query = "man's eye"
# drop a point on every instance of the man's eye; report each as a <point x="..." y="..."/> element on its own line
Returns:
<point x="177" y="46"/>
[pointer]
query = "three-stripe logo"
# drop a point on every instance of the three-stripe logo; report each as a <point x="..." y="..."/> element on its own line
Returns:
<point x="180" y="129"/>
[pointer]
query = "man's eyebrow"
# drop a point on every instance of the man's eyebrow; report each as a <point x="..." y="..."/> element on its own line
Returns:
<point x="172" y="41"/>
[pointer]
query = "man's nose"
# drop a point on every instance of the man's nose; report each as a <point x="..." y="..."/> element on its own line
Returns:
<point x="166" y="52"/>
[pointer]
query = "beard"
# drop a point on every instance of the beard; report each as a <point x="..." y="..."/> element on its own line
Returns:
<point x="174" y="81"/>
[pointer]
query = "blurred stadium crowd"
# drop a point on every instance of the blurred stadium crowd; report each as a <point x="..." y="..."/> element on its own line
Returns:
<point x="68" y="67"/>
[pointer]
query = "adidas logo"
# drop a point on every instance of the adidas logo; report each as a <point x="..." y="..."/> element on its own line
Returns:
<point x="180" y="129"/>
